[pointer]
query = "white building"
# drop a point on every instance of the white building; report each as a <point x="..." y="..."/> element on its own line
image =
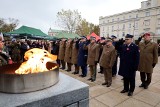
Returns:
<point x="135" y="22"/>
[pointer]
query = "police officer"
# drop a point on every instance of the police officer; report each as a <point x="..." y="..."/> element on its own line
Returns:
<point x="129" y="60"/>
<point x="93" y="55"/>
<point x="148" y="59"/>
<point x="82" y="55"/>
<point x="107" y="60"/>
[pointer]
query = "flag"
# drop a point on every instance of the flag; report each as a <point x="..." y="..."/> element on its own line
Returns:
<point x="1" y="35"/>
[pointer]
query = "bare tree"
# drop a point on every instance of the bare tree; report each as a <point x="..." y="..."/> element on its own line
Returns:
<point x="7" y="25"/>
<point x="68" y="19"/>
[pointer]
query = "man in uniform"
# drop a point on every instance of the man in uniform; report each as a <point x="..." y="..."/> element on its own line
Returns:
<point x="74" y="58"/>
<point x="68" y="54"/>
<point x="107" y="60"/>
<point x="82" y="56"/>
<point x="61" y="53"/>
<point x="148" y="59"/>
<point x="129" y="60"/>
<point x="93" y="55"/>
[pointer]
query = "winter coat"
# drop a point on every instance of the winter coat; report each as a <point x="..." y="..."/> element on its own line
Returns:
<point x="148" y="56"/>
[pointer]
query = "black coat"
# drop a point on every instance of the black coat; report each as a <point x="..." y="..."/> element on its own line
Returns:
<point x="129" y="60"/>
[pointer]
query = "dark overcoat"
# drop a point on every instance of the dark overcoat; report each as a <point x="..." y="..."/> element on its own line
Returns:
<point x="129" y="60"/>
<point x="82" y="54"/>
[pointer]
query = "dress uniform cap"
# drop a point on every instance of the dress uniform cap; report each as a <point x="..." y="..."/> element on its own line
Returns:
<point x="129" y="36"/>
<point x="102" y="38"/>
<point x="83" y="37"/>
<point x="113" y="36"/>
<point x="147" y="34"/>
<point x="92" y="38"/>
<point x="109" y="40"/>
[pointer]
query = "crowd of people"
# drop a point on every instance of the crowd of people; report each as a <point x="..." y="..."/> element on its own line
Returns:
<point x="81" y="53"/>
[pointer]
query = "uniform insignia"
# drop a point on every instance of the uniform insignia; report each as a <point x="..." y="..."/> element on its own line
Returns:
<point x="127" y="49"/>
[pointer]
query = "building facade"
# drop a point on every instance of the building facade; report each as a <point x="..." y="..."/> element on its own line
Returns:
<point x="135" y="22"/>
<point x="53" y="32"/>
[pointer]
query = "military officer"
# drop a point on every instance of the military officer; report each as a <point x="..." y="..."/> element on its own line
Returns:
<point x="107" y="60"/>
<point x="129" y="60"/>
<point x="93" y="56"/>
<point x="61" y="53"/>
<point x="74" y="58"/>
<point x="68" y="54"/>
<point x="148" y="59"/>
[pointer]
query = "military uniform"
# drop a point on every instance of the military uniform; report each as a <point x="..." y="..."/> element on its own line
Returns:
<point x="61" y="53"/>
<point x="74" y="58"/>
<point x="106" y="61"/>
<point x="93" y="55"/>
<point x="148" y="59"/>
<point x="68" y="54"/>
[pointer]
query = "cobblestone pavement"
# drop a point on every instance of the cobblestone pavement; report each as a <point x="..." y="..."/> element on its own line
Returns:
<point x="102" y="96"/>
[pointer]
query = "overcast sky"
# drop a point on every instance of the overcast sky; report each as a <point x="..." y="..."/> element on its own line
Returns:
<point x="41" y="14"/>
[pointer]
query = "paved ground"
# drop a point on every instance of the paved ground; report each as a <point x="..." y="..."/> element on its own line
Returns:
<point x="102" y="96"/>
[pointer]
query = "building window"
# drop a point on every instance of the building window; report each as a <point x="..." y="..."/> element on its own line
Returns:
<point x="123" y="26"/>
<point x="112" y="28"/>
<point x="123" y="17"/>
<point x="147" y="14"/>
<point x="118" y="27"/>
<point x="130" y="16"/>
<point x="158" y="21"/>
<point x="136" y="15"/>
<point x="136" y="25"/>
<point x="123" y="33"/>
<point x="158" y="31"/>
<point x="117" y="19"/>
<point x="129" y="26"/>
<point x="147" y="22"/>
<point x="108" y="21"/>
<point x="103" y="28"/>
<point x="112" y="20"/>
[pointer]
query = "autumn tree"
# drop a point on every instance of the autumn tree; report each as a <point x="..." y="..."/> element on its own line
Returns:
<point x="68" y="19"/>
<point x="86" y="28"/>
<point x="7" y="25"/>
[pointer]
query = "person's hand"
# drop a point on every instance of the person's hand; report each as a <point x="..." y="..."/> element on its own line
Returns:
<point x="153" y="65"/>
<point x="96" y="62"/>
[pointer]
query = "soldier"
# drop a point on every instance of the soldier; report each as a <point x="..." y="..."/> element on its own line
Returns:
<point x="148" y="59"/>
<point x="68" y="54"/>
<point x="107" y="60"/>
<point x="74" y="58"/>
<point x="3" y="58"/>
<point x="93" y="55"/>
<point x="129" y="60"/>
<point x="61" y="53"/>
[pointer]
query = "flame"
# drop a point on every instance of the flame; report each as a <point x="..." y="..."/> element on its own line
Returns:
<point x="36" y="61"/>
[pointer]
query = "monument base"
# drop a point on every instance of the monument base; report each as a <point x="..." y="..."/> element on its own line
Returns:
<point x="68" y="92"/>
